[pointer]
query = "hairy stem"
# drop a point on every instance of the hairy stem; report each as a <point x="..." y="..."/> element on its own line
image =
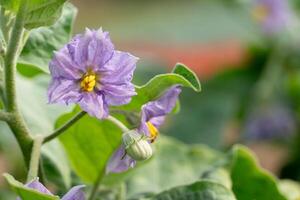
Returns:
<point x="118" y="123"/>
<point x="16" y="122"/>
<point x="35" y="157"/>
<point x="64" y="127"/>
<point x="11" y="58"/>
<point x="21" y="132"/>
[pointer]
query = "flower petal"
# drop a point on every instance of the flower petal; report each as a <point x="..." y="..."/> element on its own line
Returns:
<point x="163" y="105"/>
<point x="36" y="185"/>
<point x="118" y="94"/>
<point x="63" y="91"/>
<point x="119" y="69"/>
<point x="93" y="49"/>
<point x="94" y="104"/>
<point x="75" y="193"/>
<point x="119" y="163"/>
<point x="62" y="66"/>
<point x="155" y="111"/>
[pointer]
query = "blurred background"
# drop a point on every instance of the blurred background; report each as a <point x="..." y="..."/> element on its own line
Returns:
<point x="246" y="54"/>
<point x="248" y="66"/>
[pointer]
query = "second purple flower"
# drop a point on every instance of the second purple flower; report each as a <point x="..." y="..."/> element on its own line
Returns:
<point x="89" y="72"/>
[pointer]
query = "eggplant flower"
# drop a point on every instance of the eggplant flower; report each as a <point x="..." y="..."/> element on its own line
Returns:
<point x="75" y="193"/>
<point x="273" y="15"/>
<point x="152" y="117"/>
<point x="89" y="72"/>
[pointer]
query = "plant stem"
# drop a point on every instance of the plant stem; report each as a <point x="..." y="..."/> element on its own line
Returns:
<point x="11" y="58"/>
<point x="96" y="186"/>
<point x="21" y="132"/>
<point x="118" y="123"/>
<point x="16" y="122"/>
<point x="122" y="192"/>
<point x="4" y="116"/>
<point x="35" y="157"/>
<point x="64" y="127"/>
<point x="264" y="89"/>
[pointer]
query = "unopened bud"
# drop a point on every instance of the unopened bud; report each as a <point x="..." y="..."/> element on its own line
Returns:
<point x="137" y="146"/>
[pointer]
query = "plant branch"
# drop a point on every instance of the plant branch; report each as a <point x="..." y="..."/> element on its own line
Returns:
<point x="21" y="132"/>
<point x="118" y="123"/>
<point x="11" y="58"/>
<point x="35" y="157"/>
<point x="64" y="127"/>
<point x="5" y="116"/>
<point x="16" y="122"/>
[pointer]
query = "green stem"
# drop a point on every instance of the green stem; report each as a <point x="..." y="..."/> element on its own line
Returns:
<point x="64" y="127"/>
<point x="5" y="116"/>
<point x="2" y="95"/>
<point x="267" y="83"/>
<point x="21" y="132"/>
<point x="118" y="123"/>
<point x="11" y="58"/>
<point x="96" y="186"/>
<point x="16" y="122"/>
<point x="35" y="157"/>
<point x="122" y="192"/>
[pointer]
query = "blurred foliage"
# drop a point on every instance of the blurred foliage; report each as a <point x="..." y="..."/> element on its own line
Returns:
<point x="178" y="170"/>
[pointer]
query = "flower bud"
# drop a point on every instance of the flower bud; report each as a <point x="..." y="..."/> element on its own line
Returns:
<point x="137" y="147"/>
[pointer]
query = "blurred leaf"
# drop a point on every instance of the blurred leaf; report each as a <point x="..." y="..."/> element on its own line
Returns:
<point x="173" y="164"/>
<point x="205" y="116"/>
<point x="249" y="181"/>
<point x="181" y="75"/>
<point x="38" y="12"/>
<point x="290" y="189"/>
<point x="202" y="190"/>
<point x="40" y="117"/>
<point x="219" y="175"/>
<point x="27" y="193"/>
<point x="41" y="43"/>
<point x="89" y="144"/>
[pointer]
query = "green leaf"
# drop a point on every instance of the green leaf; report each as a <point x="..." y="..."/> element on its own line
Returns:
<point x="89" y="144"/>
<point x="38" y="12"/>
<point x="43" y="13"/>
<point x="219" y="175"/>
<point x="41" y="43"/>
<point x="290" y="189"/>
<point x="188" y="75"/>
<point x="249" y="180"/>
<point x="202" y="190"/>
<point x="40" y="118"/>
<point x="173" y="164"/>
<point x="27" y="193"/>
<point x="156" y="86"/>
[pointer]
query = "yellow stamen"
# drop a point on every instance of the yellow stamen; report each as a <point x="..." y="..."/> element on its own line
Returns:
<point x="260" y="13"/>
<point x="88" y="82"/>
<point x="153" y="131"/>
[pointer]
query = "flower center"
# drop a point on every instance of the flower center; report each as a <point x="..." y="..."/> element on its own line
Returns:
<point x="260" y="13"/>
<point x="88" y="82"/>
<point x="153" y="131"/>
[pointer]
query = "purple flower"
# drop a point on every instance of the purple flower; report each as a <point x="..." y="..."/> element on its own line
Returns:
<point x="152" y="117"/>
<point x="74" y="194"/>
<point x="273" y="15"/>
<point x="89" y="72"/>
<point x="270" y="123"/>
